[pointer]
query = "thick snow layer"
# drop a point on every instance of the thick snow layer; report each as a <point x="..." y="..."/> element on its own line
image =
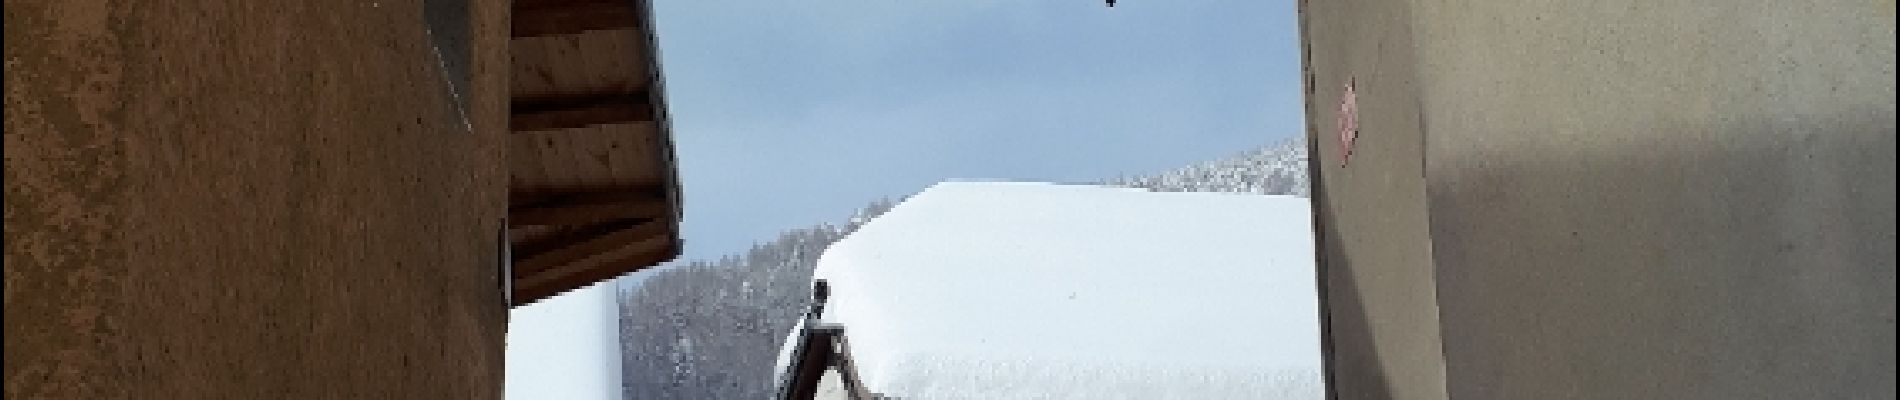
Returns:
<point x="1026" y="290"/>
<point x="565" y="347"/>
<point x="784" y="361"/>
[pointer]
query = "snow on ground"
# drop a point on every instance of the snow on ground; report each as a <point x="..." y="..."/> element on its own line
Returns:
<point x="1026" y="290"/>
<point x="565" y="347"/>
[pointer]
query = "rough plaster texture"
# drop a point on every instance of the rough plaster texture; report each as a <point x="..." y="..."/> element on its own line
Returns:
<point x="1689" y="199"/>
<point x="1626" y="199"/>
<point x="1374" y="247"/>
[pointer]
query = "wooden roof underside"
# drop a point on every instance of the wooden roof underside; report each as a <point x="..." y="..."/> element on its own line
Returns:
<point x="592" y="189"/>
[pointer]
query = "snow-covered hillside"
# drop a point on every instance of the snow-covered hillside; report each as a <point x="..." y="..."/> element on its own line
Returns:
<point x="711" y="329"/>
<point x="988" y="290"/>
<point x="1278" y="169"/>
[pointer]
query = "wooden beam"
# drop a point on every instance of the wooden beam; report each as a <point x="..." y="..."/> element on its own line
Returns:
<point x="533" y="240"/>
<point x="650" y="253"/>
<point x="546" y="114"/>
<point x="565" y="17"/>
<point x="848" y="368"/>
<point x="613" y="238"/>
<point x="811" y="357"/>
<point x="593" y="208"/>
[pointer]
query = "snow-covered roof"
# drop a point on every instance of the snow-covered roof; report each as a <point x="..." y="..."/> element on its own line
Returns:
<point x="786" y="351"/>
<point x="1026" y="290"/>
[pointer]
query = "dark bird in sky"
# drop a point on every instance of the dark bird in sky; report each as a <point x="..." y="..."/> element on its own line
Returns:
<point x="1111" y="3"/>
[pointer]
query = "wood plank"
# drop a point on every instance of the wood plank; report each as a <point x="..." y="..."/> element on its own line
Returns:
<point x="548" y="18"/>
<point x="587" y="161"/>
<point x="557" y="155"/>
<point x="526" y="172"/>
<point x="528" y="60"/>
<point x="810" y="359"/>
<point x="526" y="4"/>
<point x="545" y="114"/>
<point x="518" y="233"/>
<point x="629" y="154"/>
<point x="591" y="208"/>
<point x="591" y="62"/>
<point x="541" y="286"/>
<point x="612" y="262"/>
<point x="559" y="236"/>
<point x="614" y="238"/>
<point x="584" y="173"/>
<point x="596" y="158"/>
<point x="547" y="165"/>
<point x="848" y="367"/>
<point x="618" y="54"/>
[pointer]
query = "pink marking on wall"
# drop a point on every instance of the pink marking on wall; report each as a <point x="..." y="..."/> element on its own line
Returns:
<point x="1348" y="122"/>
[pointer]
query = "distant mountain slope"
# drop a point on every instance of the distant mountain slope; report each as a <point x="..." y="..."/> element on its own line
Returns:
<point x="711" y="329"/>
<point x="1277" y="170"/>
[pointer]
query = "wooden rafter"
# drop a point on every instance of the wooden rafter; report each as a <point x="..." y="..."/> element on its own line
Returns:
<point x="612" y="238"/>
<point x="811" y="357"/>
<point x="638" y="256"/>
<point x="553" y="113"/>
<point x="563" y="17"/>
<point x="587" y="118"/>
<point x="586" y="208"/>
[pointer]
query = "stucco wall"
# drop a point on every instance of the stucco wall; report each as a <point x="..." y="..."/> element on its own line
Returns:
<point x="1625" y="199"/>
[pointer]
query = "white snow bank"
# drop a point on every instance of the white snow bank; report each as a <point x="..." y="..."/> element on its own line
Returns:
<point x="565" y="347"/>
<point x="1026" y="290"/>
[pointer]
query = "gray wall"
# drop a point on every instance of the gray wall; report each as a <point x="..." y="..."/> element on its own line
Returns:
<point x="1627" y="199"/>
<point x="1375" y="257"/>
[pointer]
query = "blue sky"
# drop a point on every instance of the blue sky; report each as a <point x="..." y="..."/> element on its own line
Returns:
<point x="789" y="113"/>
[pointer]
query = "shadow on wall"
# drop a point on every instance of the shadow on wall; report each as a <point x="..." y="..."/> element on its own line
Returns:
<point x="450" y="31"/>
<point x="1346" y="342"/>
<point x="1756" y="261"/>
<point x="1760" y="265"/>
